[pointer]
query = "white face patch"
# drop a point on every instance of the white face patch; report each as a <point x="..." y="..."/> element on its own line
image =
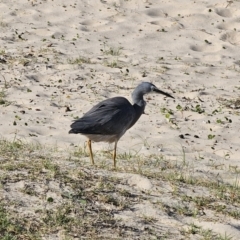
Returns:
<point x="152" y="88"/>
<point x="142" y="103"/>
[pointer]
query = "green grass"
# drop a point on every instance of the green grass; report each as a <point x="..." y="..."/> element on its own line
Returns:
<point x="12" y="228"/>
<point x="80" y="60"/>
<point x="3" y="101"/>
<point x="46" y="192"/>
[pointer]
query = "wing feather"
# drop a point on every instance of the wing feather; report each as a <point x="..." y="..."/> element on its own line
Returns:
<point x="110" y="117"/>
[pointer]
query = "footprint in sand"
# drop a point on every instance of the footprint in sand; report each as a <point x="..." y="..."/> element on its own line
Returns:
<point x="231" y="37"/>
<point x="228" y="26"/>
<point x="207" y="47"/>
<point x="94" y="25"/>
<point x="155" y="12"/>
<point x="160" y="19"/>
<point x="224" y="12"/>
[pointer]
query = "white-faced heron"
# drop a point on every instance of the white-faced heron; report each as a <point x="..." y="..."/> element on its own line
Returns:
<point x="110" y="119"/>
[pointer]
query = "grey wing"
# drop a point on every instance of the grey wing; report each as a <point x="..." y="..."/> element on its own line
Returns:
<point x="110" y="117"/>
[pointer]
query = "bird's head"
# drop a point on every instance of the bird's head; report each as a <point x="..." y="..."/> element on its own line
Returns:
<point x="145" y="88"/>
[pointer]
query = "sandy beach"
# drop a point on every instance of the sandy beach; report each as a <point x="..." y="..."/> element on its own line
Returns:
<point x="59" y="58"/>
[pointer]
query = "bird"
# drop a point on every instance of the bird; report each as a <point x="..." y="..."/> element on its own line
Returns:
<point x="111" y="118"/>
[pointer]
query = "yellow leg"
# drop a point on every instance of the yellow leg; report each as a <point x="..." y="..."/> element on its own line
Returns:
<point x="90" y="151"/>
<point x="114" y="155"/>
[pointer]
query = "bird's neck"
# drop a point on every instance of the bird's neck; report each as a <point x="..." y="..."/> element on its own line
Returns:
<point x="138" y="105"/>
<point x="139" y="110"/>
<point x="138" y="100"/>
<point x="137" y="97"/>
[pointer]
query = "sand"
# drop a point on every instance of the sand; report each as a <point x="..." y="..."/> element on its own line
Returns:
<point x="59" y="58"/>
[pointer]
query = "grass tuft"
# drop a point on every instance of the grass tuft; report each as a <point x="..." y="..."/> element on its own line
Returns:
<point x="45" y="193"/>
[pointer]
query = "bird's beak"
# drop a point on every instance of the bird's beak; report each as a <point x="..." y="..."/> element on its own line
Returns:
<point x="163" y="93"/>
